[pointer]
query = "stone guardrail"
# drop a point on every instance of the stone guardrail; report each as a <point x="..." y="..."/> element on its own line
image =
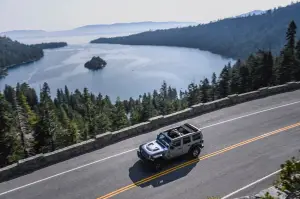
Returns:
<point x="42" y="160"/>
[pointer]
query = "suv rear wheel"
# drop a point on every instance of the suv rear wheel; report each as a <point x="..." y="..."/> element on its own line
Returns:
<point x="195" y="151"/>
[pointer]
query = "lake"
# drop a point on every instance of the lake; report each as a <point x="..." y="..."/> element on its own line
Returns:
<point x="130" y="70"/>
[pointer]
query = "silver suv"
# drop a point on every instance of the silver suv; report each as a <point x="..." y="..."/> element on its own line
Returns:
<point x="172" y="143"/>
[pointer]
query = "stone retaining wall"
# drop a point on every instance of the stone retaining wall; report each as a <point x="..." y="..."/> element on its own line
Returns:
<point x="42" y="160"/>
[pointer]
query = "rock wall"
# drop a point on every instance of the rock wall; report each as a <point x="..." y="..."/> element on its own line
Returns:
<point x="43" y="160"/>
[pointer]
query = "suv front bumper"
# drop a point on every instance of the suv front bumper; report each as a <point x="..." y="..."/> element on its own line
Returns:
<point x="144" y="159"/>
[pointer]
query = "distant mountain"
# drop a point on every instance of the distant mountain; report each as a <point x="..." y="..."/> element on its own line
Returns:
<point x="23" y="33"/>
<point x="231" y="37"/>
<point x="137" y="24"/>
<point x="98" y="29"/>
<point x="254" y="12"/>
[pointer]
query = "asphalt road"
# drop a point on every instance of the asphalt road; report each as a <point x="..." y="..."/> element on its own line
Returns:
<point x="107" y="171"/>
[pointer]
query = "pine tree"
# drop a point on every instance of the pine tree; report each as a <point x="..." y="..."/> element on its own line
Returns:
<point x="213" y="91"/>
<point x="255" y="64"/>
<point x="88" y="115"/>
<point x="10" y="143"/>
<point x="47" y="126"/>
<point x="235" y="77"/>
<point x="298" y="50"/>
<point x="290" y="36"/>
<point x="223" y="82"/>
<point x="6" y="120"/>
<point x="67" y="94"/>
<point x="297" y="65"/>
<point x="163" y="90"/>
<point x="148" y="108"/>
<point x="288" y="179"/>
<point x="287" y="69"/>
<point x="204" y="89"/>
<point x="22" y="124"/>
<point x="135" y="115"/>
<point x="245" y="80"/>
<point x="119" y="119"/>
<point x="103" y="123"/>
<point x="8" y="93"/>
<point x="32" y="117"/>
<point x="268" y="69"/>
<point x="193" y="96"/>
<point x="30" y="95"/>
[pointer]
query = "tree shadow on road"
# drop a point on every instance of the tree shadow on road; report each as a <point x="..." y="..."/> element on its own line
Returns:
<point x="142" y="172"/>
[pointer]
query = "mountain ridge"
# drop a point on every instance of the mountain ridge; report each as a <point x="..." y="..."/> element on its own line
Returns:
<point x="98" y="29"/>
<point x="230" y="37"/>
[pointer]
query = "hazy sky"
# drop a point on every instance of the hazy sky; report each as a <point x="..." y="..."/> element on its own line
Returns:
<point x="65" y="14"/>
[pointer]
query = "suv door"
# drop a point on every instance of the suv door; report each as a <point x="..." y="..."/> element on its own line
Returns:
<point x="187" y="143"/>
<point x="176" y="148"/>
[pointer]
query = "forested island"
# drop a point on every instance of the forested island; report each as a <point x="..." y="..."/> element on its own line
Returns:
<point x="231" y="37"/>
<point x="29" y="126"/>
<point x="50" y="45"/>
<point x="13" y="53"/>
<point x="95" y="63"/>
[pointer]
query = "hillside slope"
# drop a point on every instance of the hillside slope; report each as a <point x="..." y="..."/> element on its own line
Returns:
<point x="15" y="53"/>
<point x="232" y="37"/>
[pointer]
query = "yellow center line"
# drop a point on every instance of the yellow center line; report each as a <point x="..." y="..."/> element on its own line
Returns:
<point x="123" y="189"/>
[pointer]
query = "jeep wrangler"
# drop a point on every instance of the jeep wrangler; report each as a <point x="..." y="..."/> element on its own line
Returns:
<point x="172" y="143"/>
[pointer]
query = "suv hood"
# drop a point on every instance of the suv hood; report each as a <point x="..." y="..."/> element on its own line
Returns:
<point x="153" y="148"/>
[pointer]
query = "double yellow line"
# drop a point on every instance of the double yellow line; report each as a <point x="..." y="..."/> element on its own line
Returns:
<point x="126" y="188"/>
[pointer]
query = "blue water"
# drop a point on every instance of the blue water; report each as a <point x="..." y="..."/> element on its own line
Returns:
<point x="130" y="70"/>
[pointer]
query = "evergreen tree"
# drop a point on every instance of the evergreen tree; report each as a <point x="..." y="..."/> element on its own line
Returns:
<point x="163" y="90"/>
<point x="135" y="115"/>
<point x="204" y="89"/>
<point x="290" y="37"/>
<point x="148" y="108"/>
<point x="47" y="126"/>
<point x="213" y="91"/>
<point x="235" y="77"/>
<point x="288" y="179"/>
<point x="119" y="119"/>
<point x="6" y="121"/>
<point x="32" y="117"/>
<point x="245" y="80"/>
<point x="297" y="65"/>
<point x="103" y="123"/>
<point x="21" y="122"/>
<point x="223" y="82"/>
<point x="268" y="69"/>
<point x="287" y="69"/>
<point x="298" y="50"/>
<point x="30" y="94"/>
<point x="193" y="96"/>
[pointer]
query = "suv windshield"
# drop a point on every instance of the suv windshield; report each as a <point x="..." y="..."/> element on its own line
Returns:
<point x="163" y="139"/>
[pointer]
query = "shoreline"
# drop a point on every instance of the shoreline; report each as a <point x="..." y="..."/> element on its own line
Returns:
<point x="21" y="64"/>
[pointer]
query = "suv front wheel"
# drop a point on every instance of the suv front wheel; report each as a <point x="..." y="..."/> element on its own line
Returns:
<point x="157" y="165"/>
<point x="195" y="151"/>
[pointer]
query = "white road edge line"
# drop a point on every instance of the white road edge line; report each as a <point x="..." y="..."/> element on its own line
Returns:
<point x="255" y="113"/>
<point x="249" y="185"/>
<point x="128" y="151"/>
<point x="253" y="183"/>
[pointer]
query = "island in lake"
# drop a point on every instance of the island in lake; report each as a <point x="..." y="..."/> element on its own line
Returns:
<point x="95" y="63"/>
<point x="50" y="45"/>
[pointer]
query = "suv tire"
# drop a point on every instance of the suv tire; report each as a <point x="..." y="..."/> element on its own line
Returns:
<point x="157" y="165"/>
<point x="195" y="151"/>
